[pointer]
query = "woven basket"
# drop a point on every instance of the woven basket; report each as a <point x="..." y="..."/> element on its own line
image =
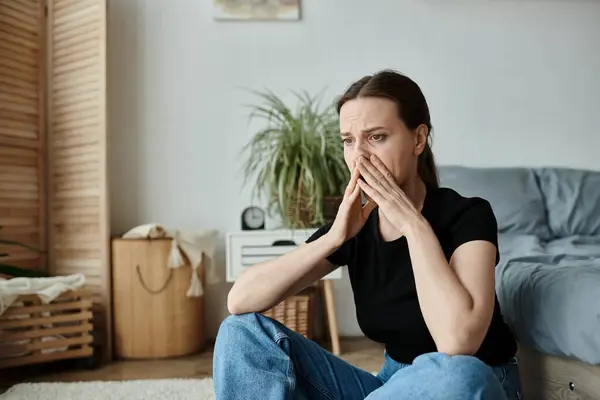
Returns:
<point x="305" y="215"/>
<point x="301" y="213"/>
<point x="32" y="332"/>
<point x="296" y="312"/>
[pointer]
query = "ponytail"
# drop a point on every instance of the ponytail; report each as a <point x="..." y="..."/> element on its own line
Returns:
<point x="427" y="169"/>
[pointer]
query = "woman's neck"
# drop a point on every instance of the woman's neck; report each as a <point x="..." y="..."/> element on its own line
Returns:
<point x="416" y="191"/>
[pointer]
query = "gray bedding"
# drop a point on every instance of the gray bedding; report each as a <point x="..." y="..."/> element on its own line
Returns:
<point x="550" y="293"/>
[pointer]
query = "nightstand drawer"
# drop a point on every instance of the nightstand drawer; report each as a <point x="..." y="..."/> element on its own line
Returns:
<point x="245" y="249"/>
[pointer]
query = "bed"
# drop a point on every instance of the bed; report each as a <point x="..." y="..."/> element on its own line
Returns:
<point x="550" y="296"/>
<point x="548" y="278"/>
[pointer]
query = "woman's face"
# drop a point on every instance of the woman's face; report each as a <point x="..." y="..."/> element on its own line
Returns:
<point x="371" y="125"/>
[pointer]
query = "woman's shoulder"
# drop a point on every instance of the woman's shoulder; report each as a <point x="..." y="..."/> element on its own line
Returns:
<point x="447" y="206"/>
<point x="458" y="218"/>
<point x="452" y="199"/>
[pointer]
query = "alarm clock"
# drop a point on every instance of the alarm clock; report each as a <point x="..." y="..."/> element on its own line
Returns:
<point x="253" y="218"/>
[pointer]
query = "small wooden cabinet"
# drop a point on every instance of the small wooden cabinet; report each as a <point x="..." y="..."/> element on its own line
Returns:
<point x="153" y="317"/>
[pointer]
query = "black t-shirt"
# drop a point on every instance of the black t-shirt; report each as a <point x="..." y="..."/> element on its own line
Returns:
<point x="382" y="279"/>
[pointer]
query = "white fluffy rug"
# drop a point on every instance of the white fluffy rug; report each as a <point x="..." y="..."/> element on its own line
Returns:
<point x="161" y="389"/>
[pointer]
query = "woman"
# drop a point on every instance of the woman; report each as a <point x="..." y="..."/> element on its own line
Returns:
<point x="421" y="262"/>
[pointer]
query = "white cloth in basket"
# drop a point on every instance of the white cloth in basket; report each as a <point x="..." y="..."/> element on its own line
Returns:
<point x="195" y="245"/>
<point x="47" y="289"/>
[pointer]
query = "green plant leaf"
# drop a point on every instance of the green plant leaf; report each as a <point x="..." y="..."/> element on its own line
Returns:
<point x="296" y="159"/>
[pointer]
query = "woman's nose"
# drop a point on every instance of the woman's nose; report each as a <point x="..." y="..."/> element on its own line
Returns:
<point x="362" y="153"/>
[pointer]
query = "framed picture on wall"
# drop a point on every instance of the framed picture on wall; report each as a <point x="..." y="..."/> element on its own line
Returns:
<point x="259" y="10"/>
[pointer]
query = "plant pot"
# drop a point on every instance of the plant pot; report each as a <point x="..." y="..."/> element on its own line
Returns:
<point x="300" y="214"/>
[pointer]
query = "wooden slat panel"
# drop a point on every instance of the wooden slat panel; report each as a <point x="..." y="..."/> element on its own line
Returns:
<point x="22" y="139"/>
<point x="76" y="51"/>
<point x="26" y="59"/>
<point x="13" y="21"/>
<point x="17" y="103"/>
<point x="31" y="334"/>
<point x="7" y="80"/>
<point x="25" y="7"/>
<point x="20" y="203"/>
<point x="25" y="139"/>
<point x="22" y="154"/>
<point x="52" y="307"/>
<point x="62" y="7"/>
<point x="20" y="323"/>
<point x="26" y="14"/>
<point x="78" y="206"/>
<point x="14" y="39"/>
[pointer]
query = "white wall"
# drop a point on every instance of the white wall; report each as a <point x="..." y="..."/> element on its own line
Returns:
<point x="509" y="83"/>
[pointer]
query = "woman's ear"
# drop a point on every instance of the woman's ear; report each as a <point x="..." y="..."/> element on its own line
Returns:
<point x="421" y="135"/>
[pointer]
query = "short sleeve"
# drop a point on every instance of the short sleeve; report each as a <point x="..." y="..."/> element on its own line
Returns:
<point x="475" y="221"/>
<point x="341" y="256"/>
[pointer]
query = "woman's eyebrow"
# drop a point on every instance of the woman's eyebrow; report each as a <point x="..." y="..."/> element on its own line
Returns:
<point x="368" y="130"/>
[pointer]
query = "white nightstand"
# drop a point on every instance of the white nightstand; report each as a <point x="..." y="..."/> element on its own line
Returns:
<point x="246" y="248"/>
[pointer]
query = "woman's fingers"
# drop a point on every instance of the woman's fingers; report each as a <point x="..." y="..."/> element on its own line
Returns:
<point x="385" y="173"/>
<point x="355" y="194"/>
<point x="368" y="207"/>
<point x="370" y="191"/>
<point x="373" y="176"/>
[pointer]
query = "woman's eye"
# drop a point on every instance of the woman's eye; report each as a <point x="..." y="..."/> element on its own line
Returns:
<point x="377" y="137"/>
<point x="346" y="141"/>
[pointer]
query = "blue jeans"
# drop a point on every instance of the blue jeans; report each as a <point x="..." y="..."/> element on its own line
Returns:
<point x="256" y="357"/>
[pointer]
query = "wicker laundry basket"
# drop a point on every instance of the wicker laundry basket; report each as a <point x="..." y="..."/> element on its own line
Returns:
<point x="32" y="332"/>
<point x="153" y="316"/>
<point x="296" y="312"/>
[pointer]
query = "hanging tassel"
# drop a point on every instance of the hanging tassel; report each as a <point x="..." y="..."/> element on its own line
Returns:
<point x="175" y="256"/>
<point x="196" y="289"/>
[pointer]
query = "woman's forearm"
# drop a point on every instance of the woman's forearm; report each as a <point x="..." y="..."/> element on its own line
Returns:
<point x="446" y="304"/>
<point x="264" y="285"/>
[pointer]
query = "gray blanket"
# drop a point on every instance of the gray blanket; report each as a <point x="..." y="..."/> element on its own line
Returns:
<point x="550" y="293"/>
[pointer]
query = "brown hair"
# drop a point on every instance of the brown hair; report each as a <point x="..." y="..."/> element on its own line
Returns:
<point x="412" y="109"/>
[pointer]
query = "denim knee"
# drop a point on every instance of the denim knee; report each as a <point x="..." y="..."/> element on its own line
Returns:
<point x="252" y="327"/>
<point x="237" y="321"/>
<point x="462" y="375"/>
<point x="237" y="327"/>
<point x="246" y="347"/>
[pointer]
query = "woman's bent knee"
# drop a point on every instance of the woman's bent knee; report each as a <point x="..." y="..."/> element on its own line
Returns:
<point x="454" y="364"/>
<point x="241" y="329"/>
<point x="461" y="375"/>
<point x="238" y="336"/>
<point x="238" y="321"/>
<point x="237" y="328"/>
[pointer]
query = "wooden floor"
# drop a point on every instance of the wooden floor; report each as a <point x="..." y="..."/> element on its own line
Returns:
<point x="359" y="352"/>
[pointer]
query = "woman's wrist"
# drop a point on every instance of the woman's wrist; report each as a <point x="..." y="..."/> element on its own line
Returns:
<point x="417" y="227"/>
<point x="333" y="241"/>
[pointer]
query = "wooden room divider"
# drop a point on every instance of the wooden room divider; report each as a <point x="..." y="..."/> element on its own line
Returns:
<point x="53" y="145"/>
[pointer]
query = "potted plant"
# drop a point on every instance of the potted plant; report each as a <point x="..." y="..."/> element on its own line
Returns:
<point x="296" y="161"/>
<point x="14" y="271"/>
